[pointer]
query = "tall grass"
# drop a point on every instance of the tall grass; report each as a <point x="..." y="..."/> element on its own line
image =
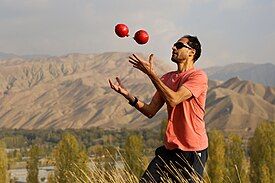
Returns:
<point x="123" y="174"/>
<point x="114" y="174"/>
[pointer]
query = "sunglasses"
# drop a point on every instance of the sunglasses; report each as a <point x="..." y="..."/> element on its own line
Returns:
<point x="180" y="45"/>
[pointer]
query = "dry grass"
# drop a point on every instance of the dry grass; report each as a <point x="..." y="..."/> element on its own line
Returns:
<point x="98" y="174"/>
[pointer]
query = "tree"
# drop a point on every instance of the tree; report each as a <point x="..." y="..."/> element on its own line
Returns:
<point x="236" y="164"/>
<point x="32" y="165"/>
<point x="4" y="178"/>
<point x="262" y="150"/>
<point x="70" y="161"/>
<point x="133" y="154"/>
<point x="216" y="163"/>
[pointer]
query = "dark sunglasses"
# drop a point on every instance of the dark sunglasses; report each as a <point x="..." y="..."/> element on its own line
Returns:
<point x="180" y="45"/>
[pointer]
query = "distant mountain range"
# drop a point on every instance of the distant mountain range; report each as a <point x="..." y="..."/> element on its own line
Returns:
<point x="72" y="91"/>
<point x="4" y="56"/>
<point x="7" y="55"/>
<point x="259" y="73"/>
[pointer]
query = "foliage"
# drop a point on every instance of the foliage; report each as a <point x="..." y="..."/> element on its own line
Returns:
<point x="3" y="164"/>
<point x="262" y="150"/>
<point x="134" y="154"/>
<point x="32" y="165"/>
<point x="216" y="161"/>
<point x="236" y="163"/>
<point x="69" y="159"/>
<point x="48" y="138"/>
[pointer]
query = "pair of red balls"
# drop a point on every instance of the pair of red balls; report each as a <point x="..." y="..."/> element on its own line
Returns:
<point x="141" y="36"/>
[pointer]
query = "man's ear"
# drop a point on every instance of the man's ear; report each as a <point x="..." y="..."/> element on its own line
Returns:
<point x="192" y="53"/>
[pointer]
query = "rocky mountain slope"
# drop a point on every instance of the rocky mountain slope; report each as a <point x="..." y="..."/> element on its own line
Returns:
<point x="72" y="91"/>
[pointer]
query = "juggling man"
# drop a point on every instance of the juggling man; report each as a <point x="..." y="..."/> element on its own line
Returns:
<point x="184" y="152"/>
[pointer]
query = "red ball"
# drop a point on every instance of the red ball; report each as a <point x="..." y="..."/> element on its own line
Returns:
<point x="141" y="37"/>
<point x="121" y="30"/>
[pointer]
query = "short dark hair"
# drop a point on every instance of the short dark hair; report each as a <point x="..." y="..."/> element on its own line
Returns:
<point x="194" y="43"/>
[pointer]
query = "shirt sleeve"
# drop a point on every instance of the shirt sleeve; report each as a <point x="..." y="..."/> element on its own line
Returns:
<point x="165" y="78"/>
<point x="196" y="83"/>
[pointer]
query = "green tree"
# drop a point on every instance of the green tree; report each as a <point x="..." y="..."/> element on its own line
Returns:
<point x="262" y="150"/>
<point x="70" y="161"/>
<point x="4" y="178"/>
<point x="32" y="165"/>
<point x="134" y="154"/>
<point x="216" y="163"/>
<point x="236" y="163"/>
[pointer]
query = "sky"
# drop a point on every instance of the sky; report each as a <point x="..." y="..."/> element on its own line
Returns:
<point x="230" y="31"/>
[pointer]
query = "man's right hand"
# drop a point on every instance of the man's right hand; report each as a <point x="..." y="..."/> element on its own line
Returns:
<point x="119" y="88"/>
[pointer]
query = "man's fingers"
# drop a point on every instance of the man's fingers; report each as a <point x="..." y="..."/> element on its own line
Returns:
<point x="151" y="57"/>
<point x="136" y="57"/>
<point x="119" y="82"/>
<point x="111" y="84"/>
<point x="114" y="87"/>
<point x="134" y="63"/>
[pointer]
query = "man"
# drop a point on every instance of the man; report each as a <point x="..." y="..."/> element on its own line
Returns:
<point x="184" y="153"/>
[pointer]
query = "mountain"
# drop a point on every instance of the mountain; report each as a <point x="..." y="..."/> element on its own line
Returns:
<point x="259" y="73"/>
<point x="7" y="55"/>
<point x="72" y="91"/>
<point x="239" y="106"/>
<point x="4" y="56"/>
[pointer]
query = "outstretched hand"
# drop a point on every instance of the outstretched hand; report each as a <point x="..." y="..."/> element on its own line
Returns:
<point x="144" y="66"/>
<point x="119" y="88"/>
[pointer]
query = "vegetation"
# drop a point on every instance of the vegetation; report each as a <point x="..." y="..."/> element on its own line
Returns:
<point x="3" y="164"/>
<point x="49" y="138"/>
<point x="262" y="150"/>
<point x="32" y="165"/>
<point x="236" y="163"/>
<point x="122" y="155"/>
<point x="216" y="160"/>
<point x="70" y="160"/>
<point x="134" y="155"/>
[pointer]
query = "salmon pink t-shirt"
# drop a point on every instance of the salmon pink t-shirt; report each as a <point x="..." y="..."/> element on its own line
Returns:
<point x="186" y="125"/>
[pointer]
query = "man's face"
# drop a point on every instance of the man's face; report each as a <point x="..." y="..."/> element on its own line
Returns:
<point x="181" y="51"/>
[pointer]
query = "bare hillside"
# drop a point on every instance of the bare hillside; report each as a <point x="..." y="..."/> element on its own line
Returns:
<point x="72" y="91"/>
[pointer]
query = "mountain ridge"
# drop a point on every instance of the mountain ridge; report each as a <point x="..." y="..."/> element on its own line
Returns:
<point x="72" y="91"/>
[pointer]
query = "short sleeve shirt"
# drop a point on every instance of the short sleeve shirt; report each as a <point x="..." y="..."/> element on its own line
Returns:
<point x="186" y="126"/>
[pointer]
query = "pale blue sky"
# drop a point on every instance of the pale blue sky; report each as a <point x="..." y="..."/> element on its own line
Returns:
<point x="229" y="30"/>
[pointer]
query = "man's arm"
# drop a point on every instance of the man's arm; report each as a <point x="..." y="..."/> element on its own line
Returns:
<point x="149" y="110"/>
<point x="172" y="98"/>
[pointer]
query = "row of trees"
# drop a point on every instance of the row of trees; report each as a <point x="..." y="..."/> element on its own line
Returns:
<point x="71" y="160"/>
<point x="228" y="160"/>
<point x="48" y="138"/>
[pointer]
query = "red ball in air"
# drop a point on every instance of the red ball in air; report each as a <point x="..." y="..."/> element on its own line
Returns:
<point x="141" y="37"/>
<point x="121" y="30"/>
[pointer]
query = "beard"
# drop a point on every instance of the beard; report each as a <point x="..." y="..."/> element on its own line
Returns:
<point x="174" y="58"/>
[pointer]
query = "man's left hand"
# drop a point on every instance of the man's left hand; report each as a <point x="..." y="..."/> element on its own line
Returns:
<point x="144" y="66"/>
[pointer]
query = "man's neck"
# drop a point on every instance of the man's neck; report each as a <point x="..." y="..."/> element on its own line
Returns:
<point x="184" y="66"/>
